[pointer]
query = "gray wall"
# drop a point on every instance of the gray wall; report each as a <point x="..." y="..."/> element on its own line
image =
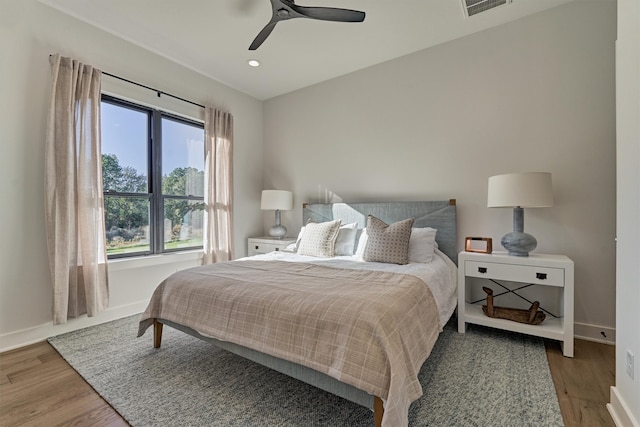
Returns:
<point x="536" y="94"/>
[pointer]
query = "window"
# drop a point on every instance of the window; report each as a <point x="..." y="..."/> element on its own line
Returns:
<point x="153" y="179"/>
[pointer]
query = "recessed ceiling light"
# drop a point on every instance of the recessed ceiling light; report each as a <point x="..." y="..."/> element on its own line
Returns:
<point x="253" y="62"/>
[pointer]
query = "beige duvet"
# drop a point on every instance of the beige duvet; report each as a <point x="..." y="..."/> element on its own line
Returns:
<point x="370" y="329"/>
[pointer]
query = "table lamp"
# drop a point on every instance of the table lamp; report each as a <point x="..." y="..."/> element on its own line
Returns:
<point x="518" y="191"/>
<point x="277" y="200"/>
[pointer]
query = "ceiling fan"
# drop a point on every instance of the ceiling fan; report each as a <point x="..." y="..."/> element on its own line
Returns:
<point x="287" y="9"/>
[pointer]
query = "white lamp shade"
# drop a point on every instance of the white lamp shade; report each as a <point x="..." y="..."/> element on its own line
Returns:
<point x="525" y="190"/>
<point x="276" y="199"/>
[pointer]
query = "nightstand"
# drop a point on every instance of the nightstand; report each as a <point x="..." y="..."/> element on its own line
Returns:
<point x="266" y="244"/>
<point x="536" y="270"/>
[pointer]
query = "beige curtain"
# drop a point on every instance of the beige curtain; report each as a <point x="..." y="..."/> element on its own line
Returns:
<point x="218" y="178"/>
<point x="73" y="192"/>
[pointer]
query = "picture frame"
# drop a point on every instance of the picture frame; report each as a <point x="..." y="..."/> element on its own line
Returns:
<point x="483" y="245"/>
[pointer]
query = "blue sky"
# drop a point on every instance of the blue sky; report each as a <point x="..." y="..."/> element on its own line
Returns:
<point x="124" y="133"/>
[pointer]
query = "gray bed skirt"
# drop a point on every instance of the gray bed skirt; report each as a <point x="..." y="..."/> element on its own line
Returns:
<point x="294" y="370"/>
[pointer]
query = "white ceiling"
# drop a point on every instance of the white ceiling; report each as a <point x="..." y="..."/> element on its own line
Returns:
<point x="213" y="36"/>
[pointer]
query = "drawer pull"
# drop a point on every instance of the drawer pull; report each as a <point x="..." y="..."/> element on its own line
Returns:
<point x="482" y="270"/>
<point x="277" y="249"/>
<point x="541" y="276"/>
<point x="257" y="247"/>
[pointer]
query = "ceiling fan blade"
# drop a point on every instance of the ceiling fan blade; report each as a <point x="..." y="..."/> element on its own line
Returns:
<point x="330" y="13"/>
<point x="262" y="35"/>
<point x="287" y="9"/>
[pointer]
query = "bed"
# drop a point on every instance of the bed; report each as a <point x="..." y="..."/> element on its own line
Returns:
<point x="360" y="330"/>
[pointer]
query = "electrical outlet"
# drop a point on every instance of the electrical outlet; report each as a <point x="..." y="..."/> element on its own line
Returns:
<point x="630" y="364"/>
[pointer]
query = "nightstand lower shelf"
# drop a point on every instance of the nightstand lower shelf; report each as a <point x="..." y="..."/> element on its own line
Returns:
<point x="552" y="328"/>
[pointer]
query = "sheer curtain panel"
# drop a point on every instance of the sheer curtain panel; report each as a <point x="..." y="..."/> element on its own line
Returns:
<point x="218" y="178"/>
<point x="73" y="192"/>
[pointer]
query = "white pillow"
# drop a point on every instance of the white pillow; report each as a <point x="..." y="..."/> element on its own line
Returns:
<point x="319" y="239"/>
<point x="346" y="240"/>
<point x="299" y="238"/>
<point x="422" y="244"/>
<point x="362" y="244"/>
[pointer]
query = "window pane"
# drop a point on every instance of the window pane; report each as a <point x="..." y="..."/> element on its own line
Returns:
<point x="127" y="224"/>
<point x="182" y="158"/>
<point x="124" y="148"/>
<point x="183" y="223"/>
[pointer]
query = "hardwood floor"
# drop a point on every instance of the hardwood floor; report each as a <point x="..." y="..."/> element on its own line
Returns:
<point x="583" y="383"/>
<point x="38" y="388"/>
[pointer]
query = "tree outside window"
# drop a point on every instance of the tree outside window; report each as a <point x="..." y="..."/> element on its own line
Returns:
<point x="151" y="209"/>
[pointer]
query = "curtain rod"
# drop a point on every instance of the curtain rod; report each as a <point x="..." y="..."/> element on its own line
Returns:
<point x="157" y="91"/>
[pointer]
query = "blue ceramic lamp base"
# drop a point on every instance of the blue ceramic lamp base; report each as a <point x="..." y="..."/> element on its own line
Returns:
<point x="519" y="243"/>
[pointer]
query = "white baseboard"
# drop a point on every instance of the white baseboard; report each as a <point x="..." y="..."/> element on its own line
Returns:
<point x="40" y="333"/>
<point x="620" y="411"/>
<point x="601" y="334"/>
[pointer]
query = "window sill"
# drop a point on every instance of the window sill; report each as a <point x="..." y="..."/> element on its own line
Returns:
<point x="151" y="260"/>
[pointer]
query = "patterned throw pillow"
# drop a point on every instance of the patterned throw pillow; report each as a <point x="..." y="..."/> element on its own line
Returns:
<point x="319" y="239"/>
<point x="345" y="242"/>
<point x="388" y="243"/>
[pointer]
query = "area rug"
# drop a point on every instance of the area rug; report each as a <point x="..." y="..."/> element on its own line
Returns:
<point x="485" y="377"/>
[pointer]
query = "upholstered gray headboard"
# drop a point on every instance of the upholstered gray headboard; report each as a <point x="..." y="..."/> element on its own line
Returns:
<point x="440" y="215"/>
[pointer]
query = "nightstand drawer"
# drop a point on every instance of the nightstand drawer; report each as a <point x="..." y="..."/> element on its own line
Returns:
<point x="264" y="248"/>
<point x="264" y="245"/>
<point x="515" y="273"/>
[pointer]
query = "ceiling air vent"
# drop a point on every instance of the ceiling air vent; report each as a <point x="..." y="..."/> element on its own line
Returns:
<point x="473" y="7"/>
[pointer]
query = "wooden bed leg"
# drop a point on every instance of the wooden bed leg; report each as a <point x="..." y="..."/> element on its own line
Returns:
<point x="378" y="411"/>
<point x="157" y="333"/>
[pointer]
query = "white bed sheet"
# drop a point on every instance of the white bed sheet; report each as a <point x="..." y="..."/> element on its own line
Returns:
<point x="440" y="275"/>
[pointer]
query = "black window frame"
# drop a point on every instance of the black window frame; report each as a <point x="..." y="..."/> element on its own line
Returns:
<point x="154" y="177"/>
